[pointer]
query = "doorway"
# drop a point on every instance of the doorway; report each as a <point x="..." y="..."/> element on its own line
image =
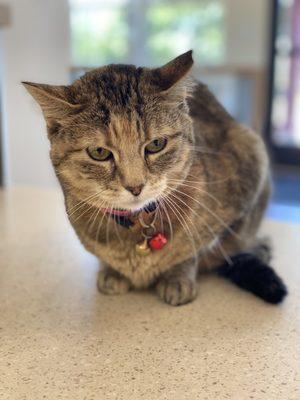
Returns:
<point x="283" y="120"/>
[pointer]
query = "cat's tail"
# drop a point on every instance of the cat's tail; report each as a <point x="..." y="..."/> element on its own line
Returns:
<point x="252" y="273"/>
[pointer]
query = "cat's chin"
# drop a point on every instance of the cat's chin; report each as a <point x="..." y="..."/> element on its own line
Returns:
<point x="133" y="207"/>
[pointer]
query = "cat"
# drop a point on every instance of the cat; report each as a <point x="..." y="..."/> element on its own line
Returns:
<point x="160" y="182"/>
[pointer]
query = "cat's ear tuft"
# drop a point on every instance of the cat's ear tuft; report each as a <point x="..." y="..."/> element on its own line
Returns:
<point x="53" y="100"/>
<point x="169" y="74"/>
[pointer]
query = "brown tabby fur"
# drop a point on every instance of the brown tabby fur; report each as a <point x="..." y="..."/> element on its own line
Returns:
<point x="213" y="172"/>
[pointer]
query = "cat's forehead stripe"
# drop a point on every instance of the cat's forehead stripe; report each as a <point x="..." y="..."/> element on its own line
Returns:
<point x="123" y="131"/>
<point x="117" y="87"/>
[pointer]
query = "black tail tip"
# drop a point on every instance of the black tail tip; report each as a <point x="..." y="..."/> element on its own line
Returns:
<point x="250" y="273"/>
<point x="275" y="292"/>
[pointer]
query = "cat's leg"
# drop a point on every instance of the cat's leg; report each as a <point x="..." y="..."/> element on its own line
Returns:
<point x="111" y="282"/>
<point x="178" y="286"/>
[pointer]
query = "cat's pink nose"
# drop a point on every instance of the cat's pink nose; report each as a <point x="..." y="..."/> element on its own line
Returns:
<point x="135" y="190"/>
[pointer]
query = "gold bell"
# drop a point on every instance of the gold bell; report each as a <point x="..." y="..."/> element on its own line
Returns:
<point x="143" y="247"/>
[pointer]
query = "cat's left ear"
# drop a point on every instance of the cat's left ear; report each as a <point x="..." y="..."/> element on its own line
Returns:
<point x="167" y="76"/>
<point x="53" y="100"/>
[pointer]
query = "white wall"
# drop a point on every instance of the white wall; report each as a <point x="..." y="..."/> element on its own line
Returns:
<point x="247" y="32"/>
<point x="35" y="47"/>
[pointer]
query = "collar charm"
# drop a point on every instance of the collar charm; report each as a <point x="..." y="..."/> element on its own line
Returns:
<point x="143" y="248"/>
<point x="158" y="241"/>
<point x="152" y="240"/>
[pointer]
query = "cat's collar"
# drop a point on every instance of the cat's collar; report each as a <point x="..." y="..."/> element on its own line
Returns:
<point x="117" y="212"/>
<point x="143" y="221"/>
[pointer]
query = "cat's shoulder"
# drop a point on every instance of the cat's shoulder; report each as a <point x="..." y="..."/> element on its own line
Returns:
<point x="204" y="105"/>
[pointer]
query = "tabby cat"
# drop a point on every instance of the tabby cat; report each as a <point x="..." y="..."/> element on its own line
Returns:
<point x="159" y="180"/>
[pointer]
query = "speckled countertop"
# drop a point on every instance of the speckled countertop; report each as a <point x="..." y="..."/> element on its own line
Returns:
<point x="61" y="339"/>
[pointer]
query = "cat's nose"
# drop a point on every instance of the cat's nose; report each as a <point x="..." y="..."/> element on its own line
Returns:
<point x="135" y="190"/>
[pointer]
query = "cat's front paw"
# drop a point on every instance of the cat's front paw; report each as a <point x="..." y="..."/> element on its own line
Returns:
<point x="177" y="290"/>
<point x="110" y="282"/>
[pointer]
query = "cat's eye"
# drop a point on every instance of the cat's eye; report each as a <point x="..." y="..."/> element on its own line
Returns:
<point x="99" y="153"/>
<point x="156" y="145"/>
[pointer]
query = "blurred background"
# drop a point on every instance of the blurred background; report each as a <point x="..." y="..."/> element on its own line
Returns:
<point x="247" y="51"/>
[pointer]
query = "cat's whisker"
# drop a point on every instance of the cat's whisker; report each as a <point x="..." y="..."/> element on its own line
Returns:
<point x="176" y="210"/>
<point x="215" y="181"/>
<point x="168" y="218"/>
<point x="203" y="150"/>
<point x="95" y="214"/>
<point x="221" y="221"/>
<point x="186" y="214"/>
<point x="199" y="189"/>
<point x="197" y="181"/>
<point x="107" y="226"/>
<point x="161" y="221"/>
<point x="116" y="226"/>
<point x="179" y="211"/>
<point x="225" y="255"/>
<point x="79" y="207"/>
<point x="86" y="210"/>
<point x="214" y="235"/>
<point x="177" y="215"/>
<point x="83" y="213"/>
<point x="99" y="227"/>
<point x="83" y="202"/>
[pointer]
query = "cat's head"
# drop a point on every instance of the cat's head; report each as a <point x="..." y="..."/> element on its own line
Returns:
<point x="120" y="135"/>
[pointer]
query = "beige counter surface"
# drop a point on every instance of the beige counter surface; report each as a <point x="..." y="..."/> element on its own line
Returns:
<point x="61" y="339"/>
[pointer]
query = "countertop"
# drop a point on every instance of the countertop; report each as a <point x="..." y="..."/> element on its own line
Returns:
<point x="61" y="339"/>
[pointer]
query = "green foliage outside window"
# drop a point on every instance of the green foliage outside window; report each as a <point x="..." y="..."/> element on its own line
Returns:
<point x="98" y="36"/>
<point x="175" y="27"/>
<point x="101" y="31"/>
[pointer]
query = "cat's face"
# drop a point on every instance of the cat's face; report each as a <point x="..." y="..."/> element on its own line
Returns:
<point x="118" y="139"/>
<point x="128" y="164"/>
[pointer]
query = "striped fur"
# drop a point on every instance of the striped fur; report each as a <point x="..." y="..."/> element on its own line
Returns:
<point x="212" y="175"/>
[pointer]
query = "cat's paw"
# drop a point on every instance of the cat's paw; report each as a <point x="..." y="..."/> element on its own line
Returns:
<point x="177" y="290"/>
<point x="110" y="282"/>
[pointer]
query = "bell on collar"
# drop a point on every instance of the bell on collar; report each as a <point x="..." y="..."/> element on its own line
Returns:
<point x="143" y="247"/>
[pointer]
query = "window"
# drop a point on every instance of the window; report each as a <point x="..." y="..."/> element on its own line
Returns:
<point x="283" y="119"/>
<point x="286" y="100"/>
<point x="145" y="32"/>
<point x="151" y="32"/>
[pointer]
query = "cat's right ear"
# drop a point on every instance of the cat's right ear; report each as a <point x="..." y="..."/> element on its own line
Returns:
<point x="52" y="100"/>
<point x="167" y="76"/>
